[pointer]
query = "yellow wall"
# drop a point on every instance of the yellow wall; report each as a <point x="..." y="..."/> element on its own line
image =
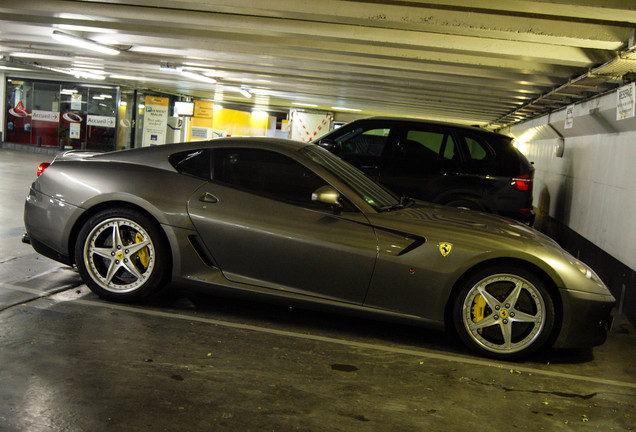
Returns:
<point x="240" y="123"/>
<point x="233" y="122"/>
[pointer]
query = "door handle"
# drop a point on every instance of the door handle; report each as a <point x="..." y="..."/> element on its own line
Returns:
<point x="207" y="197"/>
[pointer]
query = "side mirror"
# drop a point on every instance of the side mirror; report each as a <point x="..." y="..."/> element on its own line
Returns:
<point x="330" y="145"/>
<point x="327" y="195"/>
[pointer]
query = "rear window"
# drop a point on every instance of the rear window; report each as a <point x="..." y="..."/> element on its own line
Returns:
<point x="493" y="155"/>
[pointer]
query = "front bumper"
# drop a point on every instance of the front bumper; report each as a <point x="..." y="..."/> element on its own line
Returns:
<point x="587" y="318"/>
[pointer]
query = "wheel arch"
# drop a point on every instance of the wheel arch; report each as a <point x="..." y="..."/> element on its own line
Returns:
<point x="549" y="282"/>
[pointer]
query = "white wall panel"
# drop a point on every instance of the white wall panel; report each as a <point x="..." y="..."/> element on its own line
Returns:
<point x="591" y="189"/>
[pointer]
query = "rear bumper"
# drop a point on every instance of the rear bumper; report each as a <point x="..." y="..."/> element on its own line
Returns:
<point x="47" y="221"/>
<point x="587" y="318"/>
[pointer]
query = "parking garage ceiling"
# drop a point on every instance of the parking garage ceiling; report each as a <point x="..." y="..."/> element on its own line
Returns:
<point x="487" y="62"/>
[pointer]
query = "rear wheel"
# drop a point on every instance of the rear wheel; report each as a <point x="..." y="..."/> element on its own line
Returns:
<point x="121" y="255"/>
<point x="504" y="312"/>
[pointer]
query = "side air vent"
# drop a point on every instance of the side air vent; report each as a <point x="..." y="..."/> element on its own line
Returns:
<point x="201" y="250"/>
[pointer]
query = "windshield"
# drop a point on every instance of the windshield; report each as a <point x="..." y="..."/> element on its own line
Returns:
<point x="374" y="194"/>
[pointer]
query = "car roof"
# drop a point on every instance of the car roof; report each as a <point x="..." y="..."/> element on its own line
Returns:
<point x="426" y="122"/>
<point x="157" y="156"/>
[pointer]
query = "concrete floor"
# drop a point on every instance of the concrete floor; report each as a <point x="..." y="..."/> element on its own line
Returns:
<point x="187" y="361"/>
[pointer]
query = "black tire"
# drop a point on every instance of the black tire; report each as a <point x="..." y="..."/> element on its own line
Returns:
<point x="504" y="312"/>
<point x="121" y="255"/>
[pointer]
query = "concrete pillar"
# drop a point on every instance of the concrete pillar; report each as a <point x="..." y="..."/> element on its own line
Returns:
<point x="3" y="101"/>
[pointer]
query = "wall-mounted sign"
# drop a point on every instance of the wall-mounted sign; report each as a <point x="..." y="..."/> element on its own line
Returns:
<point x="76" y="102"/>
<point x="307" y="126"/>
<point x="569" y="117"/>
<point x="155" y="120"/>
<point x="47" y="116"/>
<point x="74" y="130"/>
<point x="101" y="121"/>
<point x="203" y="109"/>
<point x="625" y="97"/>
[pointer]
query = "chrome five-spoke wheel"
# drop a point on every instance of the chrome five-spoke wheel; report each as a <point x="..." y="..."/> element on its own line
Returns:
<point x="119" y="254"/>
<point x="504" y="313"/>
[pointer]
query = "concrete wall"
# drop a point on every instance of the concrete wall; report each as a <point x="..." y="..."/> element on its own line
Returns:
<point x="592" y="188"/>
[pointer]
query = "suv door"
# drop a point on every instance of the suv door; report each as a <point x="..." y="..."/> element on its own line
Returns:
<point x="421" y="161"/>
<point x="364" y="144"/>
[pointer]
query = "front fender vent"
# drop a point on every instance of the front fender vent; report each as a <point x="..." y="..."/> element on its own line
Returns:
<point x="201" y="250"/>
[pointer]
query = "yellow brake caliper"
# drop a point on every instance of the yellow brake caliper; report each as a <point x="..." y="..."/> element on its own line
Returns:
<point x="479" y="306"/>
<point x="143" y="254"/>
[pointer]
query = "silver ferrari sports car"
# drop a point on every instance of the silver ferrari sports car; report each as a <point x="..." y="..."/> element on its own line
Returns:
<point x="289" y="219"/>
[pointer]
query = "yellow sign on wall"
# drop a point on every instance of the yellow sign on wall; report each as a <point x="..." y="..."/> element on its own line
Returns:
<point x="204" y="109"/>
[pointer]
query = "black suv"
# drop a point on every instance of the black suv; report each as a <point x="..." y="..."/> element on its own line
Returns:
<point x="449" y="164"/>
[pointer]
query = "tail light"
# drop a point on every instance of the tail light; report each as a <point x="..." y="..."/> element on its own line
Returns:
<point x="42" y="167"/>
<point x="522" y="183"/>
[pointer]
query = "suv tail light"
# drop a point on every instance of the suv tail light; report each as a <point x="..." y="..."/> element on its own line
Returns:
<point x="523" y="182"/>
<point x="42" y="167"/>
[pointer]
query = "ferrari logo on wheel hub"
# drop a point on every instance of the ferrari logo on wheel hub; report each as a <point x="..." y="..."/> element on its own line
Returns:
<point x="503" y="314"/>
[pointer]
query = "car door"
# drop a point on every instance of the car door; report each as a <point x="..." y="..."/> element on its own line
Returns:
<point x="364" y="144"/>
<point x="257" y="219"/>
<point x="420" y="163"/>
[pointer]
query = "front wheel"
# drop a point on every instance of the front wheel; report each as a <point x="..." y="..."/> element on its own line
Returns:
<point x="504" y="312"/>
<point x="121" y="255"/>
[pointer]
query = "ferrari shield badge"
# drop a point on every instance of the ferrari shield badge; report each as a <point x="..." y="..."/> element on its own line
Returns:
<point x="445" y="248"/>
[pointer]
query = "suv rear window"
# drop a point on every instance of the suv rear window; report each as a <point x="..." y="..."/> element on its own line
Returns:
<point x="497" y="157"/>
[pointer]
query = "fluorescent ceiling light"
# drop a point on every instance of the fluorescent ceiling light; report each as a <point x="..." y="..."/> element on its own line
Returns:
<point x="77" y="41"/>
<point x="157" y="50"/>
<point x="198" y="77"/>
<point x="135" y="78"/>
<point x="36" y="56"/>
<point x="345" y="109"/>
<point x="71" y="27"/>
<point x="245" y="93"/>
<point x="86" y="74"/>
<point x="75" y="16"/>
<point x="305" y="104"/>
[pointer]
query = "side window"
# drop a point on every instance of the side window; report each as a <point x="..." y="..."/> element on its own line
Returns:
<point x="365" y="142"/>
<point x="425" y="148"/>
<point x="194" y="163"/>
<point x="476" y="150"/>
<point x="266" y="173"/>
<point x="481" y="157"/>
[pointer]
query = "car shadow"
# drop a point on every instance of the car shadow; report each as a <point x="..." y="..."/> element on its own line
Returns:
<point x="323" y="321"/>
<point x="333" y="323"/>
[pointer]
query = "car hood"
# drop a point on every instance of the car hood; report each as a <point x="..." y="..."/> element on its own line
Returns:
<point x="427" y="219"/>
